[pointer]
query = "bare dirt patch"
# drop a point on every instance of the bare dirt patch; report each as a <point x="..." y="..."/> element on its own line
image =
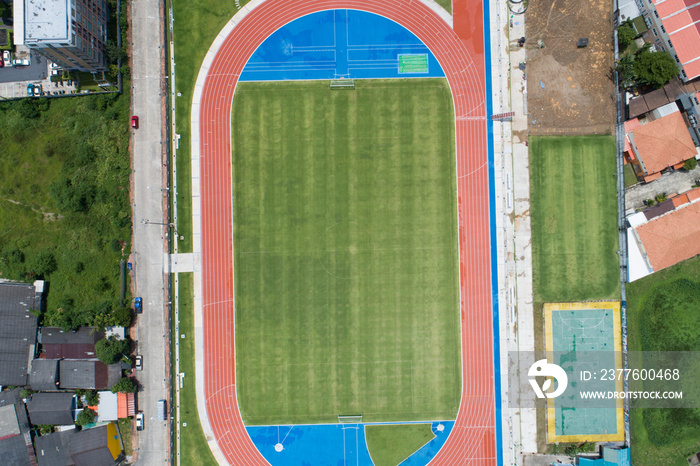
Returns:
<point x="570" y="90"/>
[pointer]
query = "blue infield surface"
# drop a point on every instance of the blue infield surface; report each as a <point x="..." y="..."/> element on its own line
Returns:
<point x="332" y="444"/>
<point x="337" y="44"/>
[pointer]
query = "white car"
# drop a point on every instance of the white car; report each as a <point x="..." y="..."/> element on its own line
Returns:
<point x="139" y="421"/>
<point x="139" y="362"/>
<point x="7" y="58"/>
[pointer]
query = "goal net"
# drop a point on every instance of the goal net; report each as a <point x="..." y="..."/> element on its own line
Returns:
<point x="342" y="84"/>
<point x="350" y="418"/>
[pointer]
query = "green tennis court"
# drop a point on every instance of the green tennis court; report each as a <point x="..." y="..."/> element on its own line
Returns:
<point x="584" y="336"/>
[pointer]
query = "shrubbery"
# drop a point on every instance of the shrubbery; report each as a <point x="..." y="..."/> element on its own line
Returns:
<point x="65" y="166"/>
<point x="125" y="385"/>
<point x="110" y="350"/>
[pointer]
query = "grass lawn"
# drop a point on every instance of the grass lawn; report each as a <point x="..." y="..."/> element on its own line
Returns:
<point x="663" y="314"/>
<point x="196" y="24"/>
<point x="630" y="177"/>
<point x="125" y="429"/>
<point x="345" y="251"/>
<point x="390" y="444"/>
<point x="193" y="445"/>
<point x="574" y="218"/>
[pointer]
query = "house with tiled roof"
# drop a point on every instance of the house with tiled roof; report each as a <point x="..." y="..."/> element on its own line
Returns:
<point x="674" y="26"/>
<point x="660" y="145"/>
<point x="665" y="239"/>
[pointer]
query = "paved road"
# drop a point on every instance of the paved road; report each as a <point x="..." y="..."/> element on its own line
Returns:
<point x="149" y="231"/>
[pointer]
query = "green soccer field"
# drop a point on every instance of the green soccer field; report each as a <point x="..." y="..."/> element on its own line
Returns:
<point x="345" y="251"/>
<point x="574" y="218"/>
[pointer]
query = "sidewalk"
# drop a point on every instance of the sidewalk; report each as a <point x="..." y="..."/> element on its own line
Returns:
<point x="512" y="184"/>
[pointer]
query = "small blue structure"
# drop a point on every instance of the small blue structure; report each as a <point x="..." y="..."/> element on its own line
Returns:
<point x="612" y="456"/>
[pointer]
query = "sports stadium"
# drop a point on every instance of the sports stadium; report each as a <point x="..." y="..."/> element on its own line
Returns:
<point x="342" y="182"/>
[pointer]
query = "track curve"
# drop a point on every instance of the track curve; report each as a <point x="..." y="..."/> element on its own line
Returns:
<point x="473" y="438"/>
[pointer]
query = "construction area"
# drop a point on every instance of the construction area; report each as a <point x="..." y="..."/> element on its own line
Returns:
<point x="570" y="88"/>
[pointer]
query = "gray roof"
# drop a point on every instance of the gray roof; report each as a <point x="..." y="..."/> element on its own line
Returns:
<point x="14" y="451"/>
<point x="44" y="375"/>
<point x="8" y="421"/>
<point x="51" y="409"/>
<point x="80" y="373"/>
<point x="17" y="331"/>
<point x="57" y="336"/>
<point x="10" y="397"/>
<point x="54" y="449"/>
<point x="90" y="447"/>
<point x="86" y="447"/>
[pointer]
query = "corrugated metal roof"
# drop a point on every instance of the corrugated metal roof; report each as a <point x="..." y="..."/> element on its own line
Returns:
<point x="44" y="375"/>
<point x="17" y="331"/>
<point x="51" y="408"/>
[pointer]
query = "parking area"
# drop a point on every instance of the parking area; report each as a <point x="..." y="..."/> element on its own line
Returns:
<point x="19" y="81"/>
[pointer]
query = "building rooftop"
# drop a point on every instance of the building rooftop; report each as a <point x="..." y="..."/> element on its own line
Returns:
<point x="46" y="21"/>
<point x="673" y="237"/>
<point x="79" y="344"/>
<point x="98" y="446"/>
<point x="17" y="330"/>
<point x="51" y="409"/>
<point x="8" y="421"/>
<point x="44" y="375"/>
<point x="14" y="451"/>
<point x="681" y="19"/>
<point x="88" y="374"/>
<point x="663" y="143"/>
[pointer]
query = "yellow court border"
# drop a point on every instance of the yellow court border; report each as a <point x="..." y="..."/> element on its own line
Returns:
<point x="617" y="344"/>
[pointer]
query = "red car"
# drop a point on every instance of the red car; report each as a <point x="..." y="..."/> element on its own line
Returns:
<point x="135" y="122"/>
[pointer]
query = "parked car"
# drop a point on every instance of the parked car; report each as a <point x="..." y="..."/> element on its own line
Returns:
<point x="135" y="122"/>
<point x="139" y="421"/>
<point x="37" y="90"/>
<point x="139" y="362"/>
<point x="138" y="305"/>
<point x="30" y="90"/>
<point x="161" y="410"/>
<point x="7" y="58"/>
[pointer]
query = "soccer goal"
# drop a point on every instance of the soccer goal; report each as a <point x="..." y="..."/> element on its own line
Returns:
<point x="342" y="84"/>
<point x="349" y="418"/>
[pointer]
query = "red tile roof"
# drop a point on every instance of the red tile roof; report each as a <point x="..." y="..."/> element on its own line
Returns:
<point x="663" y="143"/>
<point x="673" y="237"/>
<point x="680" y="19"/>
<point x="630" y="125"/>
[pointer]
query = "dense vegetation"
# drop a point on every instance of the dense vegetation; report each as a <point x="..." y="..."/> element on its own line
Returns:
<point x="663" y="314"/>
<point x="65" y="213"/>
<point x="646" y="68"/>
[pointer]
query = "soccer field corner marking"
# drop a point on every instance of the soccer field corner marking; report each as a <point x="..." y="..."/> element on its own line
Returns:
<point x="472" y="430"/>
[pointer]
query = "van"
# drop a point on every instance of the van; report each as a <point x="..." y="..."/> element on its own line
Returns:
<point x="161" y="411"/>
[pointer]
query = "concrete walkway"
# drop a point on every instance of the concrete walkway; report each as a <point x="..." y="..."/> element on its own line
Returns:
<point x="512" y="183"/>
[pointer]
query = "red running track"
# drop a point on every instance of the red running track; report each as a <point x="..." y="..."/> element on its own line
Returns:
<point x="473" y="438"/>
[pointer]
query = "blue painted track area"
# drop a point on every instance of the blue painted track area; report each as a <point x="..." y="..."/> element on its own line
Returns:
<point x="332" y="444"/>
<point x="337" y="44"/>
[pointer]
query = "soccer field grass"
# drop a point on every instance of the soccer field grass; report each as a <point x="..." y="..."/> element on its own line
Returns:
<point x="345" y="251"/>
<point x="574" y="218"/>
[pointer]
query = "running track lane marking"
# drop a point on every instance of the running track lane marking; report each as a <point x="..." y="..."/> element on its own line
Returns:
<point x="473" y="439"/>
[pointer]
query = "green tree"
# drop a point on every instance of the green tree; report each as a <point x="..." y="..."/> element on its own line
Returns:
<point x="86" y="416"/>
<point x="690" y="164"/>
<point x="110" y="350"/>
<point x="42" y="264"/>
<point x="25" y="392"/>
<point x="92" y="398"/>
<point x="625" y="35"/>
<point x="125" y="385"/>
<point x="654" y="68"/>
<point x="625" y="68"/>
